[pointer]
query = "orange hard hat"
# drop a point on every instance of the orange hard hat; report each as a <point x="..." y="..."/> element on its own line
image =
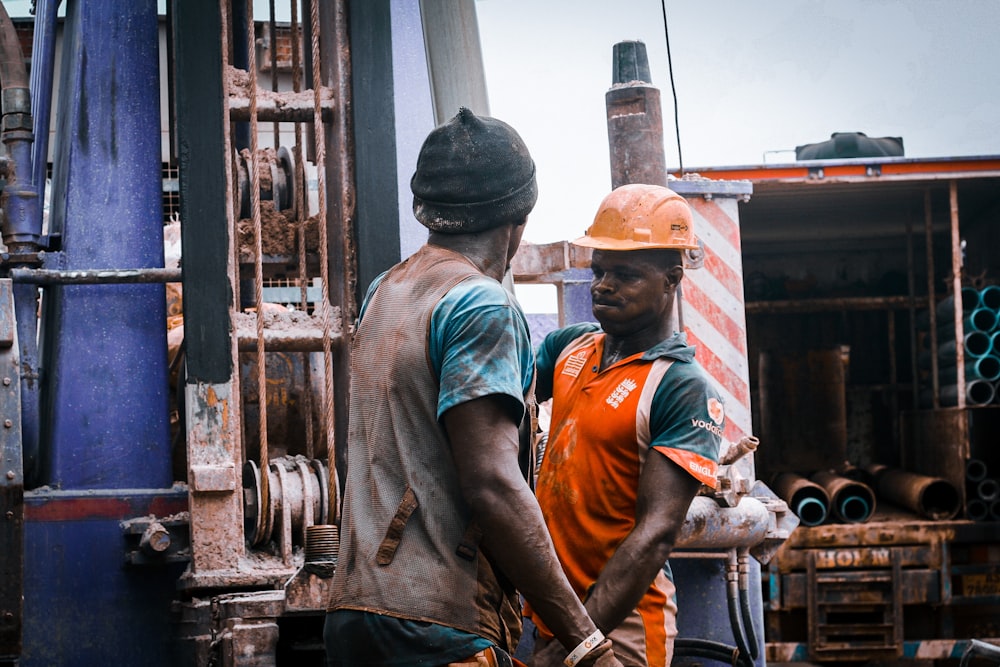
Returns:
<point x="641" y="217"/>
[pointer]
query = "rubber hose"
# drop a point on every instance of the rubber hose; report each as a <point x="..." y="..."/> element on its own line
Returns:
<point x="705" y="648"/>
<point x="751" y="633"/>
<point x="743" y="561"/>
<point x="733" y="604"/>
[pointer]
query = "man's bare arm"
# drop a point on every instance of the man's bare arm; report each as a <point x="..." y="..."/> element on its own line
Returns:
<point x="484" y="443"/>
<point x="665" y="492"/>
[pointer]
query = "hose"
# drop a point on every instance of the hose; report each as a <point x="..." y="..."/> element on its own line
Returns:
<point x="744" y="569"/>
<point x="733" y="599"/>
<point x="704" y="648"/>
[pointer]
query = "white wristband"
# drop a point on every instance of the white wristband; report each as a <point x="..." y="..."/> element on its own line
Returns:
<point x="583" y="648"/>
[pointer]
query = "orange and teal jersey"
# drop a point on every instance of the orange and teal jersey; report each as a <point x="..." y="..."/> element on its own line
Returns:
<point x="604" y="424"/>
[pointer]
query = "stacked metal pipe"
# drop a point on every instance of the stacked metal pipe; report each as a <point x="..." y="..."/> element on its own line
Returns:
<point x="825" y="497"/>
<point x="982" y="491"/>
<point x="849" y="496"/>
<point x="980" y="345"/>
<point x="930" y="497"/>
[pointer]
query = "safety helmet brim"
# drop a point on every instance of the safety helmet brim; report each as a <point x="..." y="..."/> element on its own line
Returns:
<point x="605" y="243"/>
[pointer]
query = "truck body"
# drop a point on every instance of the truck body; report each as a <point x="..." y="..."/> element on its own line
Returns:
<point x="851" y="265"/>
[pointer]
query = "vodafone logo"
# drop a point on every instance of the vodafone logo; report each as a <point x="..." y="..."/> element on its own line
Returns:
<point x="708" y="426"/>
<point x="716" y="410"/>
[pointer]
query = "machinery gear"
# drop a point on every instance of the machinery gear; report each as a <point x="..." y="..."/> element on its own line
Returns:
<point x="641" y="217"/>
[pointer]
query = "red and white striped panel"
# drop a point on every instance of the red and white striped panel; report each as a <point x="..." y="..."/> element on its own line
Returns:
<point x="713" y="308"/>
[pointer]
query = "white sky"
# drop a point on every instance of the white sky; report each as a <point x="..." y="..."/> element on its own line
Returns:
<point x="751" y="77"/>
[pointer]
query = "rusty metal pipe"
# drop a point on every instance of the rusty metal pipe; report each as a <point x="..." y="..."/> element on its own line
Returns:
<point x="95" y="276"/>
<point x="738" y="450"/>
<point x="809" y="501"/>
<point x="851" y="501"/>
<point x="635" y="119"/>
<point x="710" y="526"/>
<point x="824" y="305"/>
<point x="931" y="497"/>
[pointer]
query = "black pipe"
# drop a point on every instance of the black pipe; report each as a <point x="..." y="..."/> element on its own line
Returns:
<point x="988" y="489"/>
<point x="705" y="648"/>
<point x="736" y="614"/>
<point x="977" y="510"/>
<point x="980" y="649"/>
<point x="975" y="470"/>
<point x="743" y="560"/>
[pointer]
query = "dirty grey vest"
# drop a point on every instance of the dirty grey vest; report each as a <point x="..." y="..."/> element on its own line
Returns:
<point x="408" y="545"/>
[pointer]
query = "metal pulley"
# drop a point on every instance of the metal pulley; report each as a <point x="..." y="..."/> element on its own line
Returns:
<point x="299" y="497"/>
<point x="277" y="179"/>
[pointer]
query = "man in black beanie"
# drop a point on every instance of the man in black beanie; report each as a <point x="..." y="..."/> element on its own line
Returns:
<point x="440" y="528"/>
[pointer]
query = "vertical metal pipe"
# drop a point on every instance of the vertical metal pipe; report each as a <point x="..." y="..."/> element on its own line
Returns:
<point x="43" y="55"/>
<point x="106" y="407"/>
<point x="893" y="380"/>
<point x="635" y="119"/>
<point x="341" y="205"/>
<point x="929" y="236"/>
<point x="956" y="287"/>
<point x="912" y="308"/>
<point x="454" y="57"/>
<point x="22" y="227"/>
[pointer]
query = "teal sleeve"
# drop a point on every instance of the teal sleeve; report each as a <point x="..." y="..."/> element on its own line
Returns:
<point x="680" y="417"/>
<point x="479" y="345"/>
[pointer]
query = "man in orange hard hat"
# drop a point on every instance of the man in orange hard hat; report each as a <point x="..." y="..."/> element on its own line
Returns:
<point x="635" y="431"/>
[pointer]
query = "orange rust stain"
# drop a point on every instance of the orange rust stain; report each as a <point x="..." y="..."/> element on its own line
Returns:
<point x="212" y="400"/>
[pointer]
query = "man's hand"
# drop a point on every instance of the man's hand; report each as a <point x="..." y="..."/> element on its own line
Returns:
<point x="551" y="655"/>
<point x="605" y="659"/>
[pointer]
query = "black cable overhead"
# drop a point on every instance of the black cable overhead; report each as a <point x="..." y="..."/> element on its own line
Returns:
<point x="673" y="90"/>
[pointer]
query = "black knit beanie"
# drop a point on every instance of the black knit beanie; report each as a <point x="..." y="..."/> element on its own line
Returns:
<point x="473" y="173"/>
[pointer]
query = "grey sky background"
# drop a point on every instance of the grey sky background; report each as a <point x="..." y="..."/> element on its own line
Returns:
<point x="752" y="78"/>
